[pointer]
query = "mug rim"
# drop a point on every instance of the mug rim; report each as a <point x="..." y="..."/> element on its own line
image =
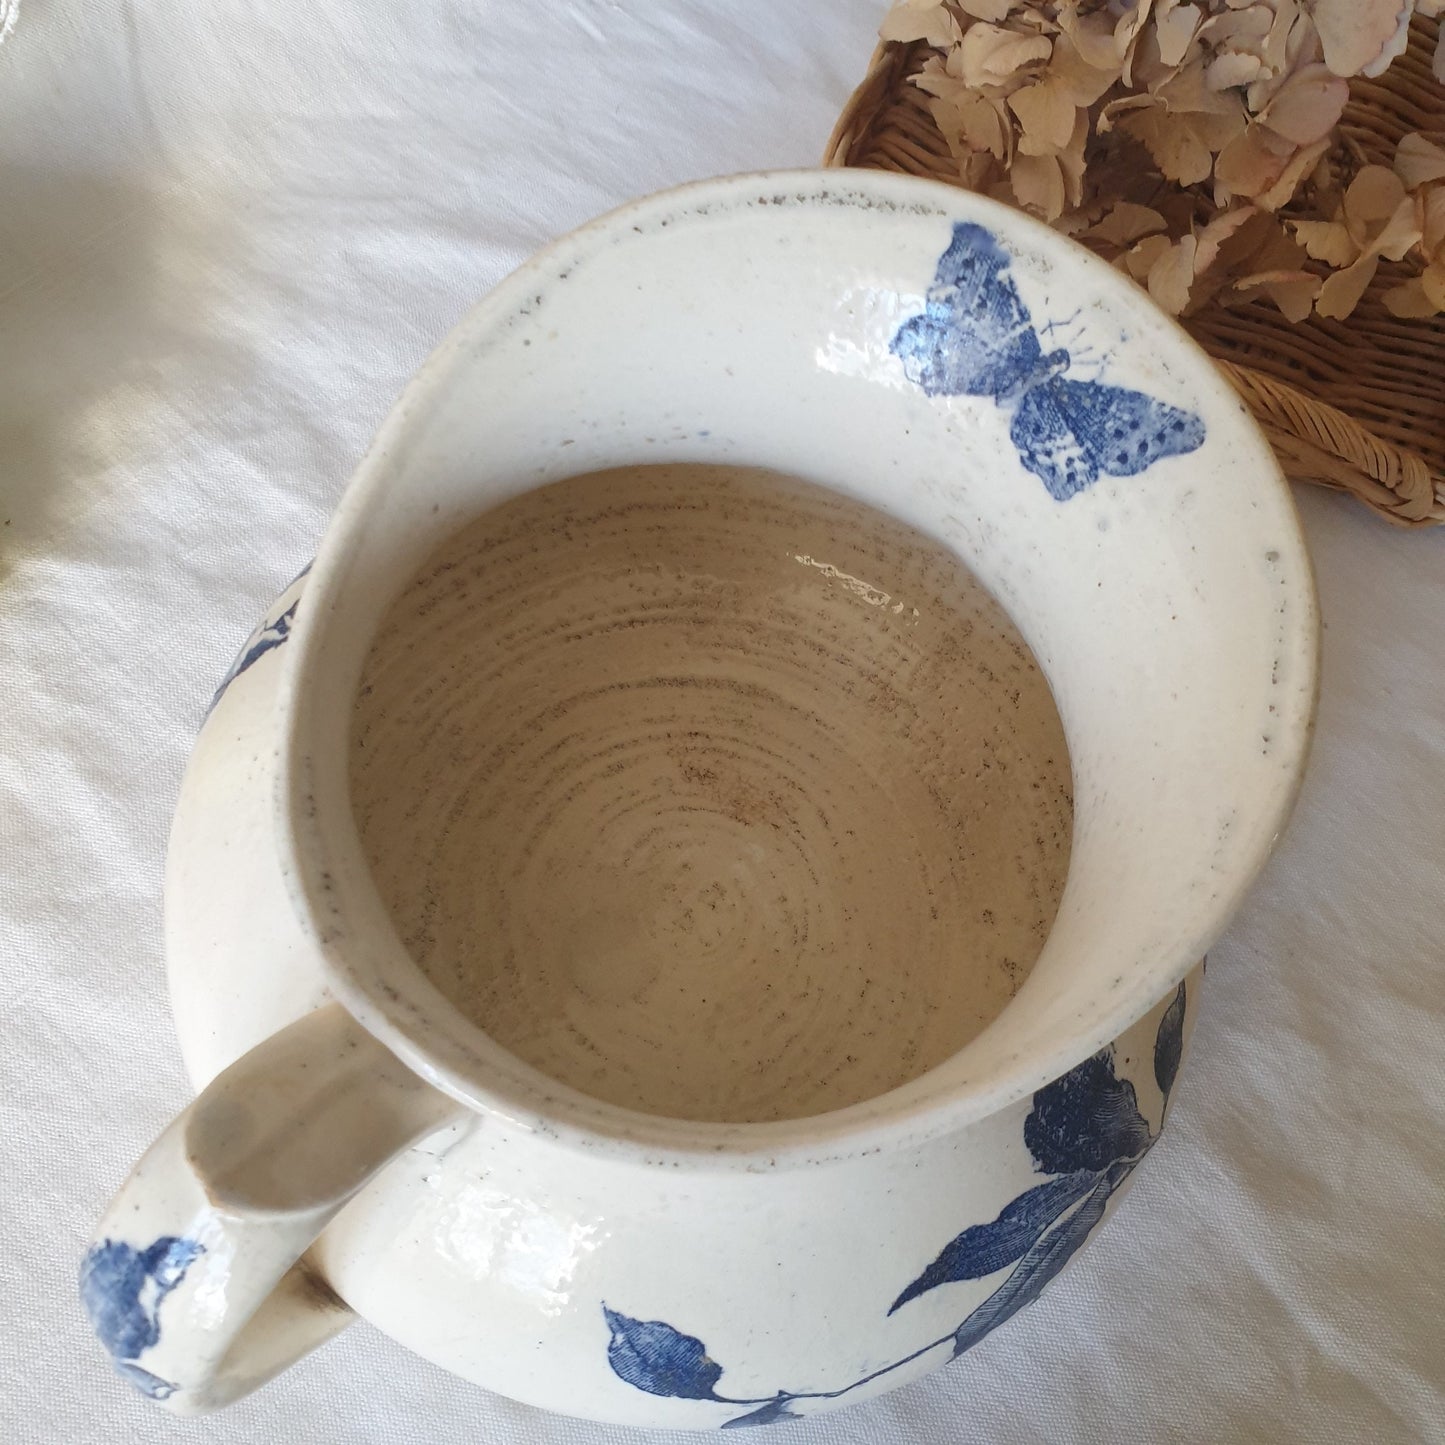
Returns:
<point x="488" y="1078"/>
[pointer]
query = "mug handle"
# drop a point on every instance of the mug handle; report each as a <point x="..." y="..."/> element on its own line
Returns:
<point x="194" y="1281"/>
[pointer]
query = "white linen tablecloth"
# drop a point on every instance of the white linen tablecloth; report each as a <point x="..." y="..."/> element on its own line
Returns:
<point x="228" y="234"/>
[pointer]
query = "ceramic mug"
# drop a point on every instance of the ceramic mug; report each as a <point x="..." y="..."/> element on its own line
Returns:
<point x="889" y="338"/>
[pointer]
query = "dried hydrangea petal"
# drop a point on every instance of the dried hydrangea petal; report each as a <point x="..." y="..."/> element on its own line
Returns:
<point x="979" y="171"/>
<point x="1295" y="297"/>
<point x="1238" y="29"/>
<point x="990" y="55"/>
<point x="1399" y="233"/>
<point x="1431" y="205"/>
<point x="1141" y="257"/>
<point x="1038" y="184"/>
<point x="1092" y="34"/>
<point x="1135" y="39"/>
<point x="1147" y="70"/>
<point x="1274" y="50"/>
<point x="1188" y="91"/>
<point x="1304" y="160"/>
<point x="994" y="10"/>
<point x="1231" y="68"/>
<point x="1081" y="82"/>
<point x="1172" y="275"/>
<point x="1409" y="301"/>
<point x="1341" y="291"/>
<point x="1122" y="105"/>
<point x="1072" y="160"/>
<point x="986" y="127"/>
<point x="1293" y="292"/>
<point x="1217" y="128"/>
<point x="1046" y="115"/>
<point x="1308" y="105"/>
<point x="1251" y="163"/>
<point x="1217" y="232"/>
<point x="1373" y="195"/>
<point x="1273" y="249"/>
<point x="1303" y="46"/>
<point x="1327" y="241"/>
<point x="1173" y="143"/>
<point x="1418" y="161"/>
<point x="1175" y="26"/>
<point x="928" y="20"/>
<point x="1361" y="37"/>
<point x="1126" y="222"/>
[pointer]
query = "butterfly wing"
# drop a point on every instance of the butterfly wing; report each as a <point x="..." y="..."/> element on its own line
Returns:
<point x="1125" y="432"/>
<point x="1069" y="433"/>
<point x="1047" y="444"/>
<point x="975" y="336"/>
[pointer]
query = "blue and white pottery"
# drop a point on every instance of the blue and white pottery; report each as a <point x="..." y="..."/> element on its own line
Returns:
<point x="358" y="1146"/>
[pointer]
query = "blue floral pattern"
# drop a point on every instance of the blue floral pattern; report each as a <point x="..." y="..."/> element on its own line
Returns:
<point x="122" y="1289"/>
<point x="1084" y="1129"/>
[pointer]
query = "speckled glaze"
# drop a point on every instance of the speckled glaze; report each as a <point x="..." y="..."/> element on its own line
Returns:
<point x="359" y="1140"/>
<point x="793" y="771"/>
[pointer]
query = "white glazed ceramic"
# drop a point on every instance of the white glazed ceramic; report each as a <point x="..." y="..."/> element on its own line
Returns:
<point x="912" y="346"/>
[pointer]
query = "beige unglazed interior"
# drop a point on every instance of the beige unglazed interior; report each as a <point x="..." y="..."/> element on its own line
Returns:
<point x="711" y="793"/>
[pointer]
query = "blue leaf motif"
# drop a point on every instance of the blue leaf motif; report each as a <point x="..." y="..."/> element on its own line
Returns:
<point x="1169" y="1044"/>
<point x="1038" y="1266"/>
<point x="1085" y="1128"/>
<point x="985" y="1248"/>
<point x="659" y="1359"/>
<point x="1085" y="1119"/>
<point x="122" y="1289"/>
<point x="774" y="1410"/>
<point x="266" y="638"/>
<point x="148" y="1384"/>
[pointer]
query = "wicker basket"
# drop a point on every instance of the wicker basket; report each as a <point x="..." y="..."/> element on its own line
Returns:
<point x="1358" y="405"/>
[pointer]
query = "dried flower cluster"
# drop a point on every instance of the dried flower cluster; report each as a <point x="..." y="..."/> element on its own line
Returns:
<point x="1194" y="144"/>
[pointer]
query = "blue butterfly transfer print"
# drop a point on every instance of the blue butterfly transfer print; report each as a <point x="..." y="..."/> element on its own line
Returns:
<point x="1084" y="1129"/>
<point x="975" y="337"/>
<point x="122" y="1289"/>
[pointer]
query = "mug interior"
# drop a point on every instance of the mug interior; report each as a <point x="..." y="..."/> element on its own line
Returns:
<point x="751" y="322"/>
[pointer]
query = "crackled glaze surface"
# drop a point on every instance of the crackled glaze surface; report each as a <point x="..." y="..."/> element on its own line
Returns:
<point x="710" y="792"/>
